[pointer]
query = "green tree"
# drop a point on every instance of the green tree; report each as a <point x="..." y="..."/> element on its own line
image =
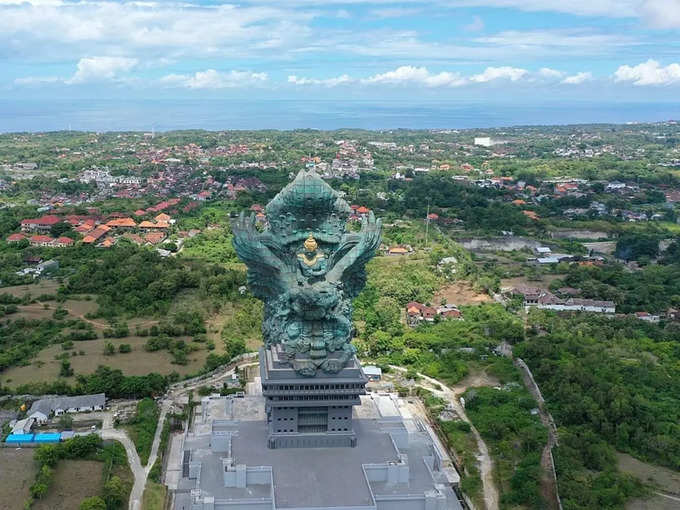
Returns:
<point x="65" y="370"/>
<point x="59" y="229"/>
<point x="47" y="455"/>
<point x="93" y="503"/>
<point x="114" y="493"/>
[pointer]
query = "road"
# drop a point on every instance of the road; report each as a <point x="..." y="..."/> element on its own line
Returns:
<point x="489" y="488"/>
<point x="135" y="465"/>
<point x="140" y="473"/>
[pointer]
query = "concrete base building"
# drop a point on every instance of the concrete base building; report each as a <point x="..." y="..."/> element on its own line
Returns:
<point x="234" y="457"/>
<point x="304" y="412"/>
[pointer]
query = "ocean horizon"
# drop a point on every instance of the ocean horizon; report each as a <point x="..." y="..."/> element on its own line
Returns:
<point x="222" y="114"/>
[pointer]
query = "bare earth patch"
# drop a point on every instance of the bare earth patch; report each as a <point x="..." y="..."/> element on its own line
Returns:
<point x="17" y="472"/>
<point x="460" y="293"/>
<point x="543" y="281"/>
<point x="74" y="480"/>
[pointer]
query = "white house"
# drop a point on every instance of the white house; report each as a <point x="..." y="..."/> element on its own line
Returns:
<point x="39" y="417"/>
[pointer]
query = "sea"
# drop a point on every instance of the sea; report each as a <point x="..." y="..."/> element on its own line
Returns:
<point x="220" y="114"/>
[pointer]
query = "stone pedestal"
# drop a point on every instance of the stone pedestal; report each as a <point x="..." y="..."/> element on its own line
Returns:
<point x="309" y="412"/>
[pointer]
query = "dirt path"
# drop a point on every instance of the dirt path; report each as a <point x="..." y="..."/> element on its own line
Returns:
<point x="489" y="488"/>
<point x="102" y="325"/>
<point x="451" y="395"/>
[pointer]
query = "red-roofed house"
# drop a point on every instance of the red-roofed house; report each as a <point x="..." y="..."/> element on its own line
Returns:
<point x="363" y="210"/>
<point x="15" y="238"/>
<point x="40" y="240"/>
<point x="122" y="223"/>
<point x="62" y="242"/>
<point x="81" y="229"/>
<point x="93" y="236"/>
<point x="139" y="212"/>
<point x="416" y="312"/>
<point x="39" y="224"/>
<point x="154" y="237"/>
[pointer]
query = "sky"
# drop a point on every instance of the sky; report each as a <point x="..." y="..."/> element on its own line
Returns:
<point x="500" y="50"/>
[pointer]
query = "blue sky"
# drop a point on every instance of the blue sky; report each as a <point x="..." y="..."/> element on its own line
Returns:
<point x="581" y="50"/>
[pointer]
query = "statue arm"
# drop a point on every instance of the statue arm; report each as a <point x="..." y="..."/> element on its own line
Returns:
<point x="363" y="250"/>
<point x="264" y="266"/>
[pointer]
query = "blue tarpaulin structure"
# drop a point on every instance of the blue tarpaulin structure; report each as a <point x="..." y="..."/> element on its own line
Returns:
<point x="19" y="438"/>
<point x="47" y="438"/>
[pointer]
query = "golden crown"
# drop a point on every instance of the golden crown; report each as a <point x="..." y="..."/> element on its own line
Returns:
<point x="310" y="243"/>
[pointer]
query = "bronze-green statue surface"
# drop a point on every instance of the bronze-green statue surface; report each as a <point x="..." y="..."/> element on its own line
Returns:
<point x="307" y="268"/>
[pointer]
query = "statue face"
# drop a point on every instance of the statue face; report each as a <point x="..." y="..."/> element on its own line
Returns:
<point x="310" y="244"/>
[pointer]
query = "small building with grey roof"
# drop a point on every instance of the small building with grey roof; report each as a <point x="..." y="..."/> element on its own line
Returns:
<point x="60" y="405"/>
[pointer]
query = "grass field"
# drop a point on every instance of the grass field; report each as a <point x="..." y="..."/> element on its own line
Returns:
<point x="74" y="480"/>
<point x="138" y="362"/>
<point x="42" y="287"/>
<point x="218" y="321"/>
<point x="17" y="472"/>
<point x="154" y="496"/>
<point x="660" y="478"/>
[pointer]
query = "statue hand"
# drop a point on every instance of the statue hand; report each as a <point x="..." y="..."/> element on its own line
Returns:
<point x="244" y="227"/>
<point x="370" y="233"/>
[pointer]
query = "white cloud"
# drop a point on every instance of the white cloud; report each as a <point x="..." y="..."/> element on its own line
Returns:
<point x="609" y="8"/>
<point x="477" y="25"/>
<point x="32" y="2"/>
<point x="661" y="13"/>
<point x="572" y="40"/>
<point x="154" y="29"/>
<point x="212" y="79"/>
<point x="578" y="78"/>
<point x="648" y="73"/>
<point x="327" y="82"/>
<point x="499" y="73"/>
<point x="394" y="12"/>
<point x="421" y="76"/>
<point x="37" y="80"/>
<point x="416" y="76"/>
<point x="101" y="68"/>
<point x="549" y="73"/>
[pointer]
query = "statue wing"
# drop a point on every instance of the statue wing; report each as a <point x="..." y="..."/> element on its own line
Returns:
<point x="268" y="275"/>
<point x="349" y="261"/>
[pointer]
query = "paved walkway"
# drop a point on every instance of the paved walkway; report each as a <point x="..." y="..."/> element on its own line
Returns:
<point x="135" y="465"/>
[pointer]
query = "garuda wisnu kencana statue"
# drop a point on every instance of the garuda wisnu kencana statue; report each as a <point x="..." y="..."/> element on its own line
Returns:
<point x="307" y="268"/>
